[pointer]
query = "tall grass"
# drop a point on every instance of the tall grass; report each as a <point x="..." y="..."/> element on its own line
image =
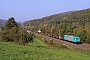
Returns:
<point x="10" y="51"/>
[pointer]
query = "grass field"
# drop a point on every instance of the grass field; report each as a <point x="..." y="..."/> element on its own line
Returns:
<point x="11" y="51"/>
<point x="38" y="43"/>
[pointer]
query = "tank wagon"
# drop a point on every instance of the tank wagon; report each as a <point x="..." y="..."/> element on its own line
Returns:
<point x="75" y="39"/>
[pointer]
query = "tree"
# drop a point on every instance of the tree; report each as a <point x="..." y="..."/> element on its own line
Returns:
<point x="61" y="30"/>
<point x="10" y="31"/>
<point x="26" y="37"/>
<point x="52" y="30"/>
<point x="68" y="29"/>
<point x="13" y="33"/>
<point x="10" y="23"/>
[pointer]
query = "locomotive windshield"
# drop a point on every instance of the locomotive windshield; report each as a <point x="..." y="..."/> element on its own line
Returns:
<point x="77" y="38"/>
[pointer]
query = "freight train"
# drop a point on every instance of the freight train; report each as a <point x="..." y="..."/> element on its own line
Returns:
<point x="75" y="39"/>
<point x="70" y="38"/>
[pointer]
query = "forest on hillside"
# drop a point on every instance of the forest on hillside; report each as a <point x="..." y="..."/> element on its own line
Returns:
<point x="2" y="23"/>
<point x="70" y="23"/>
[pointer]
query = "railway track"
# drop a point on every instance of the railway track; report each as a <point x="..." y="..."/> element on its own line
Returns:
<point x="80" y="46"/>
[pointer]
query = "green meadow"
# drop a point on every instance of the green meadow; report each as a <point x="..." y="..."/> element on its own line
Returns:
<point x="37" y="42"/>
<point x="13" y="51"/>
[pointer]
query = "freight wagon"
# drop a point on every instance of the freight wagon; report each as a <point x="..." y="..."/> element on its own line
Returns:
<point x="75" y="39"/>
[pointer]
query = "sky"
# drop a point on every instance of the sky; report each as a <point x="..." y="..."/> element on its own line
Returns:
<point x="24" y="10"/>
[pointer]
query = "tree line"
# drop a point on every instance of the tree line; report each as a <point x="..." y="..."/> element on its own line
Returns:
<point x="70" y="23"/>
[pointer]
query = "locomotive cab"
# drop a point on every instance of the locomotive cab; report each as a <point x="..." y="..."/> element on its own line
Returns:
<point x="76" y="39"/>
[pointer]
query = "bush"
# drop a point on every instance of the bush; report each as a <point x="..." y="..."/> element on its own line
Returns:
<point x="26" y="37"/>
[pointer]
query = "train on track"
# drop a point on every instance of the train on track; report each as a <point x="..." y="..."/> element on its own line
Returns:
<point x="70" y="38"/>
<point x="75" y="39"/>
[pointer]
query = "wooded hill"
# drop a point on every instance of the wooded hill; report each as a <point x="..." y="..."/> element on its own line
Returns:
<point x="72" y="23"/>
<point x="2" y="22"/>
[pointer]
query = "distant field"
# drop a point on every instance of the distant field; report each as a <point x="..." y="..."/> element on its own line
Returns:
<point x="38" y="43"/>
<point x="11" y="51"/>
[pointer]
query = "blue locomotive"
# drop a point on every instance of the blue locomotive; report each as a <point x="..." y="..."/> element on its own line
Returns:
<point x="75" y="39"/>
